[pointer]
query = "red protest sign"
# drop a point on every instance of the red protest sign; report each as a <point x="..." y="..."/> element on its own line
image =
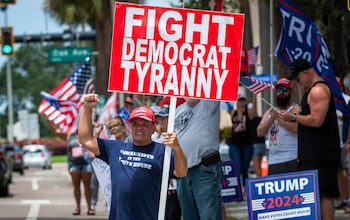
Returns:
<point x="177" y="52"/>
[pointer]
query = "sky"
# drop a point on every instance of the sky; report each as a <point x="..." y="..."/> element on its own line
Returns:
<point x="28" y="17"/>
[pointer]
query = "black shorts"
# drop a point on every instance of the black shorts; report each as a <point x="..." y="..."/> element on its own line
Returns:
<point x="286" y="167"/>
<point x="327" y="175"/>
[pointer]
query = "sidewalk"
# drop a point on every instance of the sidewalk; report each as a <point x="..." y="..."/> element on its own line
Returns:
<point x="236" y="210"/>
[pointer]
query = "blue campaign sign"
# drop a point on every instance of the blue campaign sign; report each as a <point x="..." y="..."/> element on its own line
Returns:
<point x="231" y="184"/>
<point x="266" y="77"/>
<point x="284" y="196"/>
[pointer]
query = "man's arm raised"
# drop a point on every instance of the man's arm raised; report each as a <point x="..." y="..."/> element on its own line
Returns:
<point x="85" y="129"/>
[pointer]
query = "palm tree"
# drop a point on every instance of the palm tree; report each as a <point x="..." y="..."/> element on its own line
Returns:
<point x="97" y="14"/>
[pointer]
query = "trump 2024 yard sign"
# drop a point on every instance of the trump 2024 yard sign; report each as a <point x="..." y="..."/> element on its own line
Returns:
<point x="176" y="52"/>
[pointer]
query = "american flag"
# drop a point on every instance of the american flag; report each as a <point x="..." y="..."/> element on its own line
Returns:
<point x="89" y="87"/>
<point x="62" y="105"/>
<point x="254" y="85"/>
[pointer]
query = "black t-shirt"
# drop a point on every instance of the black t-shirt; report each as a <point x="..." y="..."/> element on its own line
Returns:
<point x="253" y="134"/>
<point x="240" y="130"/>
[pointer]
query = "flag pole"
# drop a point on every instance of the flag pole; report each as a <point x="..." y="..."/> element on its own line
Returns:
<point x="271" y="48"/>
<point x="269" y="104"/>
<point x="166" y="163"/>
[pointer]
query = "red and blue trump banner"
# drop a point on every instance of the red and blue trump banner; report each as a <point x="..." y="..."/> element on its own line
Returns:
<point x="231" y="187"/>
<point x="176" y="52"/>
<point x="300" y="38"/>
<point x="292" y="195"/>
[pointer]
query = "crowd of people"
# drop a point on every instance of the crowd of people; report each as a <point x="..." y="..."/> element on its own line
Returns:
<point x="300" y="137"/>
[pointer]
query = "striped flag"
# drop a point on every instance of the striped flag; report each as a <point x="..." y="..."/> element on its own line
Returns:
<point x="89" y="87"/>
<point x="255" y="85"/>
<point x="62" y="105"/>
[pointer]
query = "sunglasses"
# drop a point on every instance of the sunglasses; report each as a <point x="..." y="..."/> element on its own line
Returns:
<point x="281" y="89"/>
<point x="115" y="125"/>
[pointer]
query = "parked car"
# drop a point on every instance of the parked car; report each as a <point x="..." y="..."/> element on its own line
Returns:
<point x="5" y="173"/>
<point x="15" y="153"/>
<point x="36" y="155"/>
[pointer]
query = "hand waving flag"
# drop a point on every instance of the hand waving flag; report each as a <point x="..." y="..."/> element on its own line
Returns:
<point x="255" y="85"/>
<point x="62" y="105"/>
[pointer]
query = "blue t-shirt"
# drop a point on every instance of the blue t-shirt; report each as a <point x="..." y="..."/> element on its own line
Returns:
<point x="136" y="174"/>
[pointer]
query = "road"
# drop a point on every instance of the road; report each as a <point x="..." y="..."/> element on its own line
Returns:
<point x="44" y="194"/>
<point x="47" y="194"/>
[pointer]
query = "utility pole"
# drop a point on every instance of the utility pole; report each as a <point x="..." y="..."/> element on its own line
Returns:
<point x="9" y="87"/>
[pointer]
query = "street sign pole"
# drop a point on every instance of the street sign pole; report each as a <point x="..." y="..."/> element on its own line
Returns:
<point x="9" y="100"/>
<point x="9" y="92"/>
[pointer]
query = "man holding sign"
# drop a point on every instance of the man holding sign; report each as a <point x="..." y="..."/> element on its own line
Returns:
<point x="136" y="168"/>
<point x="174" y="52"/>
<point x="197" y="126"/>
<point x="183" y="53"/>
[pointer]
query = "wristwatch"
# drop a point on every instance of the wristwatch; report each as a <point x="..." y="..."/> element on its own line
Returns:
<point x="293" y="117"/>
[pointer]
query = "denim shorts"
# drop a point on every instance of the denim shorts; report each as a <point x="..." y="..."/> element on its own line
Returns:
<point x="259" y="149"/>
<point x="86" y="168"/>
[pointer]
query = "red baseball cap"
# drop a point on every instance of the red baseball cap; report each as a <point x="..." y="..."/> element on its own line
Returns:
<point x="284" y="82"/>
<point x="143" y="113"/>
<point x="166" y="101"/>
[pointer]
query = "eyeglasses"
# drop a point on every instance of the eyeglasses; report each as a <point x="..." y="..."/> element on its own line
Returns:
<point x="281" y="89"/>
<point x="115" y="125"/>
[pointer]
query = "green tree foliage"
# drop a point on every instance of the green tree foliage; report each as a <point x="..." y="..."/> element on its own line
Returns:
<point x="75" y="13"/>
<point x="97" y="14"/>
<point x="31" y="73"/>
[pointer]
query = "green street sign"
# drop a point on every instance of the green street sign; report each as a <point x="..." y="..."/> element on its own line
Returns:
<point x="68" y="55"/>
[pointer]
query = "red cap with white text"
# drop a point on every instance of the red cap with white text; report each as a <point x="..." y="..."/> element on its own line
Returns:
<point x="285" y="83"/>
<point x="143" y="113"/>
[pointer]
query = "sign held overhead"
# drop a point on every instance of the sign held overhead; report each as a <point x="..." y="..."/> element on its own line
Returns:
<point x="178" y="52"/>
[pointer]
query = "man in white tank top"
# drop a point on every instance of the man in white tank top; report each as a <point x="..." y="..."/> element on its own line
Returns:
<point x="282" y="135"/>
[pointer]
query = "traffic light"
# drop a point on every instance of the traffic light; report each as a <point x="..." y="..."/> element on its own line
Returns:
<point x="7" y="41"/>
